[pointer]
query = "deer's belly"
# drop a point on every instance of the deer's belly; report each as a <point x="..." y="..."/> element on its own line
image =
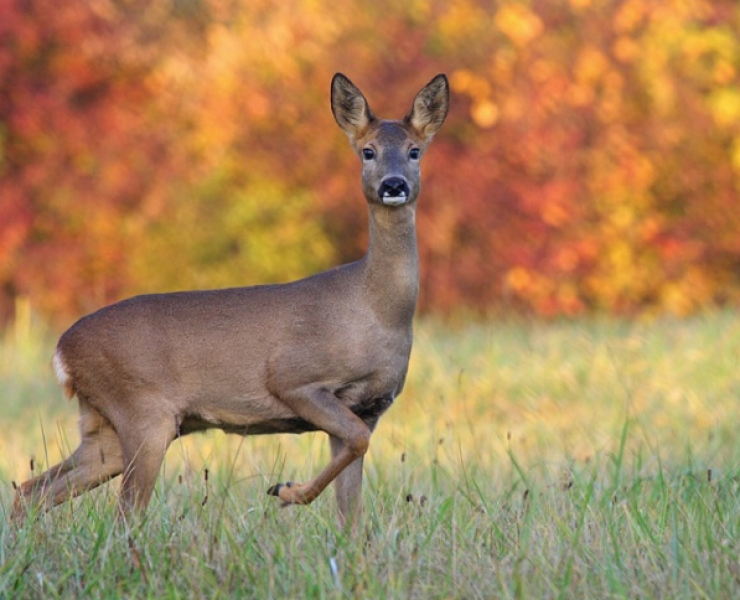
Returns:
<point x="369" y="410"/>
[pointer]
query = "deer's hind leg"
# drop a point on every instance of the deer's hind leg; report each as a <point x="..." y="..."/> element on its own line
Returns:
<point x="144" y="445"/>
<point x="97" y="459"/>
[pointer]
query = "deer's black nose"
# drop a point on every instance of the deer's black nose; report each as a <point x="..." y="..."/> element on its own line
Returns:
<point x="394" y="187"/>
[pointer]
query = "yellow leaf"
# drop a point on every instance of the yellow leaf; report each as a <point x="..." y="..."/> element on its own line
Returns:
<point x="725" y="105"/>
<point x="484" y="114"/>
<point x="518" y="23"/>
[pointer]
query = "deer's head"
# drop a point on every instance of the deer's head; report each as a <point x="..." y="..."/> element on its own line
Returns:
<point x="390" y="150"/>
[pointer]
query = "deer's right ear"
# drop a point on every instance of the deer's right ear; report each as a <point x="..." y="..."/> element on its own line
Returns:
<point x="349" y="106"/>
<point x="430" y="107"/>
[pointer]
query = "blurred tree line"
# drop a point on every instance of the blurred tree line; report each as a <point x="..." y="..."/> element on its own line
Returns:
<point x="591" y="161"/>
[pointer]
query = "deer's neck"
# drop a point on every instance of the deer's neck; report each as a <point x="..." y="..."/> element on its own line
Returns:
<point x="392" y="263"/>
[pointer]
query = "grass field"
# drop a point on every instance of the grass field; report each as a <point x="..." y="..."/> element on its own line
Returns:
<point x="589" y="459"/>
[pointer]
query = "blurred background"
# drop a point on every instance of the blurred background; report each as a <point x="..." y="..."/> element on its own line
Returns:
<point x="590" y="162"/>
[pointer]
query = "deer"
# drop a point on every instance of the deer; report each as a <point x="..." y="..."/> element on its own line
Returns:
<point x="326" y="353"/>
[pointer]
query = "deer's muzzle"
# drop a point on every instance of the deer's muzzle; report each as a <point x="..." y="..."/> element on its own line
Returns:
<point x="394" y="191"/>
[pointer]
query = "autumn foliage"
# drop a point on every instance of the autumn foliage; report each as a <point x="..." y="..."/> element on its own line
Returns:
<point x="591" y="161"/>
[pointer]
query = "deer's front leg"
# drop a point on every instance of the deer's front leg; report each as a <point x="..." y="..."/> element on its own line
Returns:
<point x="350" y="440"/>
<point x="348" y="487"/>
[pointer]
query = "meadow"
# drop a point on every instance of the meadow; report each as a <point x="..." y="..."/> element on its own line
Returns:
<point x="587" y="459"/>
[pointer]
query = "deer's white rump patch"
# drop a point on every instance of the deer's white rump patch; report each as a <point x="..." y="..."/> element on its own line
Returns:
<point x="60" y="370"/>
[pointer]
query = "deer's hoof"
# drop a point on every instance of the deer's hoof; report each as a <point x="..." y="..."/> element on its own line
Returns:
<point x="275" y="489"/>
<point x="291" y="493"/>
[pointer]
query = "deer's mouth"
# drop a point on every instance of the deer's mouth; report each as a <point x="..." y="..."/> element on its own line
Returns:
<point x="390" y="200"/>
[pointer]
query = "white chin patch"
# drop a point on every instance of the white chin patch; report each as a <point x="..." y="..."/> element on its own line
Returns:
<point x="394" y="200"/>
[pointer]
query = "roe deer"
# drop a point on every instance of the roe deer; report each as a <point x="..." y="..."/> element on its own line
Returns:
<point x="326" y="353"/>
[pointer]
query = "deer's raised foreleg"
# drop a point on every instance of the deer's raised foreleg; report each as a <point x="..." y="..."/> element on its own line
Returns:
<point x="350" y="438"/>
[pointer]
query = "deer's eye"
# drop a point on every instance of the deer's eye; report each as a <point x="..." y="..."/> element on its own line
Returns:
<point x="368" y="154"/>
<point x="414" y="154"/>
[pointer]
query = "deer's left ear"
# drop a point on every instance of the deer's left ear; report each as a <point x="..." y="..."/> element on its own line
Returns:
<point x="351" y="111"/>
<point x="430" y="108"/>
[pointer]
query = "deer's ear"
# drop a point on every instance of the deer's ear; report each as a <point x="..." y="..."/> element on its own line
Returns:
<point x="351" y="110"/>
<point x="430" y="107"/>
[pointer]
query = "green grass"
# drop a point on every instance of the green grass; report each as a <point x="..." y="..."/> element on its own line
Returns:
<point x="593" y="459"/>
